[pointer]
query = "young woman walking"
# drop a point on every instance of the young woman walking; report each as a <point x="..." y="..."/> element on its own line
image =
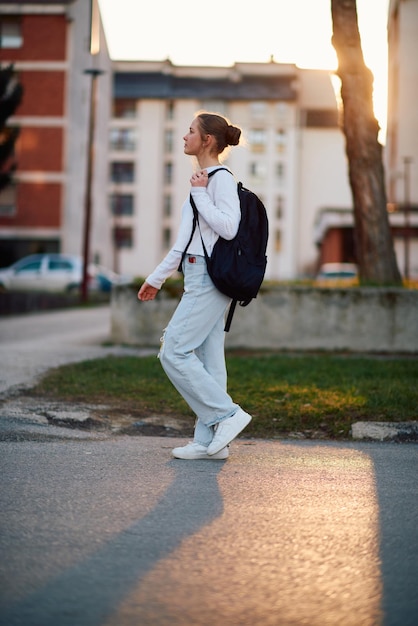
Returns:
<point x="192" y="351"/>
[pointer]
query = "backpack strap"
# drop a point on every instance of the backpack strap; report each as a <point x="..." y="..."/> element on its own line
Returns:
<point x="231" y="312"/>
<point x="180" y="267"/>
<point x="196" y="221"/>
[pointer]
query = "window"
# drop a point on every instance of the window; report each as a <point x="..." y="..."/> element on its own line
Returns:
<point x="279" y="207"/>
<point x="167" y="206"/>
<point x="8" y="201"/>
<point x="280" y="171"/>
<point x="282" y="112"/>
<point x="257" y="139"/>
<point x="281" y="140"/>
<point x="56" y="265"/>
<point x="122" y="172"/>
<point x="166" y="238"/>
<point x="168" y="141"/>
<point x="29" y="266"/>
<point x="122" y="139"/>
<point x="277" y="240"/>
<point x="257" y="170"/>
<point x="123" y="237"/>
<point x="10" y="32"/>
<point x="169" y="112"/>
<point x="258" y="110"/>
<point x="122" y="204"/>
<point x="218" y="106"/>
<point x="321" y="118"/>
<point x="168" y="173"/>
<point x="124" y="108"/>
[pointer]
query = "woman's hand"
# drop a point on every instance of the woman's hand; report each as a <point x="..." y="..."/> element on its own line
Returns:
<point x="199" y="179"/>
<point x="147" y="292"/>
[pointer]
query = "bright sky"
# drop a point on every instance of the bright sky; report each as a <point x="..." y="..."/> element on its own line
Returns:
<point x="221" y="32"/>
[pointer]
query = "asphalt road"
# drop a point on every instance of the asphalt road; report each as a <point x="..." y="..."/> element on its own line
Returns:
<point x="110" y="531"/>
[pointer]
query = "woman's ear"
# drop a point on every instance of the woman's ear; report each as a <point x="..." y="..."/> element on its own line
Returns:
<point x="209" y="141"/>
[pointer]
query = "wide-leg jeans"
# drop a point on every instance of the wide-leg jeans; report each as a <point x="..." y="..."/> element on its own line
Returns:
<point x="192" y="349"/>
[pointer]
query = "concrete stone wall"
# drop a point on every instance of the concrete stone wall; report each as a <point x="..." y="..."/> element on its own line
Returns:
<point x="290" y="318"/>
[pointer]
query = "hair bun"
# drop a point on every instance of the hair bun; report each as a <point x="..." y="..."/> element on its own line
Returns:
<point x="217" y="125"/>
<point x="232" y="136"/>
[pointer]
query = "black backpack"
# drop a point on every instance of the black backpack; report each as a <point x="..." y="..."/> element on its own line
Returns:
<point x="237" y="266"/>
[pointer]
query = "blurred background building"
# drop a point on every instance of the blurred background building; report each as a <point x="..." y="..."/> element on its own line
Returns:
<point x="49" y="45"/>
<point x="293" y="155"/>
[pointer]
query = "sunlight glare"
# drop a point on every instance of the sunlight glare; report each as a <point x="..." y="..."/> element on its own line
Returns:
<point x="298" y="32"/>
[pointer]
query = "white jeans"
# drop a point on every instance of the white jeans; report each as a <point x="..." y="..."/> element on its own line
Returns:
<point x="192" y="350"/>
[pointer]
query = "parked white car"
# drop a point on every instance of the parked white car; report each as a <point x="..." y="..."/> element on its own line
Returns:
<point x="53" y="272"/>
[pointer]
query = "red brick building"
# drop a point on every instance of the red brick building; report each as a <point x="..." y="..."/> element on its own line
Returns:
<point x="49" y="46"/>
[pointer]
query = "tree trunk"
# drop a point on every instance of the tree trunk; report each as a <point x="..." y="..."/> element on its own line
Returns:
<point x="374" y="245"/>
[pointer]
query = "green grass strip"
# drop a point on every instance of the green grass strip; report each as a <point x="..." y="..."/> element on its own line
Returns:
<point x="318" y="395"/>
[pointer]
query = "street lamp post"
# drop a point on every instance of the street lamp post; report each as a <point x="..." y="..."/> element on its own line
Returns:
<point x="94" y="73"/>
<point x="94" y="50"/>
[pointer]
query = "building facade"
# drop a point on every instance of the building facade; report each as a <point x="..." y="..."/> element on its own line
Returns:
<point x="44" y="211"/>
<point x="292" y="155"/>
<point x="401" y="154"/>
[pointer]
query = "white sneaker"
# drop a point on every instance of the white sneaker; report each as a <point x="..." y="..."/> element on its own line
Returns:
<point x="196" y="451"/>
<point x="227" y="430"/>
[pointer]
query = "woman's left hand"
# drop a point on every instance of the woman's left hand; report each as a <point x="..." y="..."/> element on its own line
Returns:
<point x="199" y="179"/>
<point x="147" y="292"/>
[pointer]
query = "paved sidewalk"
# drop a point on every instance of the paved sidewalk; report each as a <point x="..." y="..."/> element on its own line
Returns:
<point x="32" y="344"/>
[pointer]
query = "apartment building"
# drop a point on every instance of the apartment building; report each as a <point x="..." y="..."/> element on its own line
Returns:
<point x="401" y="154"/>
<point x="49" y="44"/>
<point x="292" y="155"/>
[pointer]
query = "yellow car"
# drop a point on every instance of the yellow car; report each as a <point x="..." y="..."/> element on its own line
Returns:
<point x="337" y="275"/>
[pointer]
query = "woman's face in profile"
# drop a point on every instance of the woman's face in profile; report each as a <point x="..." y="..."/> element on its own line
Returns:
<point x="192" y="140"/>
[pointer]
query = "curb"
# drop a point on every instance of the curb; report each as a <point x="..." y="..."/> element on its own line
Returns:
<point x="385" y="431"/>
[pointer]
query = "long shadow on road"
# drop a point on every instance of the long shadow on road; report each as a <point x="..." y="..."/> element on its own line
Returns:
<point x="398" y="521"/>
<point x="87" y="594"/>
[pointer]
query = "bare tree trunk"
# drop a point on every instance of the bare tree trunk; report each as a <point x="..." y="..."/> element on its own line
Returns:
<point x="375" y="253"/>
